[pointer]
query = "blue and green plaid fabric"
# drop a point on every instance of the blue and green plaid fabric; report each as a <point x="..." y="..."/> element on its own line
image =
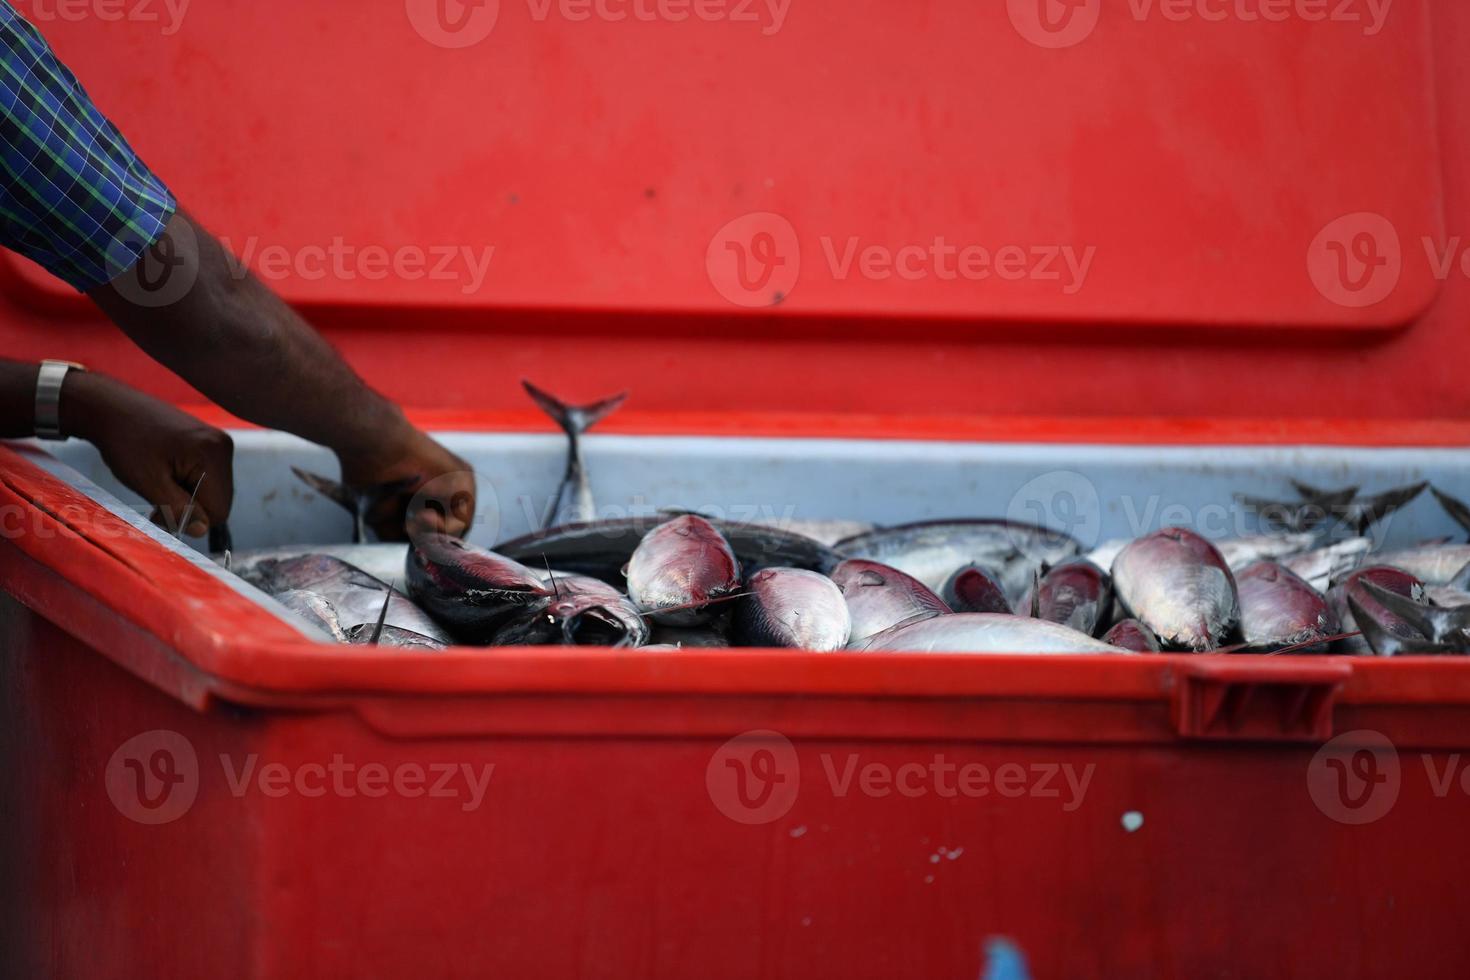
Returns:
<point x="75" y="197"/>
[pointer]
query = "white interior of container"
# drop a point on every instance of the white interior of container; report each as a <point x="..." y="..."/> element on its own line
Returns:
<point x="1095" y="492"/>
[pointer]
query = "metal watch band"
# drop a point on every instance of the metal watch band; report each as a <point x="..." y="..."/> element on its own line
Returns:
<point x="48" y="397"/>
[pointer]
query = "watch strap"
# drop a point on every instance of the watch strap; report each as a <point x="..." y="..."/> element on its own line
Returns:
<point x="48" y="397"/>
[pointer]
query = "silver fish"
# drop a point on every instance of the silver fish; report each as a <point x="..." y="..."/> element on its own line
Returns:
<point x="792" y="607"/>
<point x="1448" y="630"/>
<point x="974" y="589"/>
<point x="574" y="503"/>
<point x="1179" y="586"/>
<point x="474" y="592"/>
<point x="1075" y="593"/>
<point x="826" y="532"/>
<point x="1243" y="551"/>
<point x="1132" y="635"/>
<point x="1279" y="609"/>
<point x="932" y="551"/>
<point x="583" y="611"/>
<point x="879" y="597"/>
<point x="679" y="568"/>
<point x="1383" y="632"/>
<point x="1436" y="564"/>
<point x="1321" y="567"/>
<point x="986" y="633"/>
<point x="1104" y="554"/>
<point x="393" y="637"/>
<point x="381" y="561"/>
<point x="1447" y="596"/>
<point x="356" y="596"/>
<point x="315" y="609"/>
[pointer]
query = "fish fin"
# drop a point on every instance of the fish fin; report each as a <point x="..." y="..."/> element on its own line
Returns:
<point x="357" y="501"/>
<point x="1461" y="580"/>
<point x="1436" y="622"/>
<point x="1455" y="507"/>
<point x="1325" y="498"/>
<point x="1296" y="517"/>
<point x="1366" y="512"/>
<point x="1385" y="642"/>
<point x="573" y="419"/>
<point x="1036" y="594"/>
<point x="382" y="618"/>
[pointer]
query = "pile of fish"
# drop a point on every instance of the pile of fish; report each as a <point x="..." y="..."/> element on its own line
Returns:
<point x="680" y="580"/>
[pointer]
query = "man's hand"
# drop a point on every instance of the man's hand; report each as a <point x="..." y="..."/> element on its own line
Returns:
<point x="155" y="450"/>
<point x="440" y="498"/>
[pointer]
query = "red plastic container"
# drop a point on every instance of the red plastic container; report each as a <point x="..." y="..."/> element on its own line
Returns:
<point x="172" y="804"/>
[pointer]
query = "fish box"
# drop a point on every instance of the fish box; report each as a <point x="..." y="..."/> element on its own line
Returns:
<point x="1099" y="266"/>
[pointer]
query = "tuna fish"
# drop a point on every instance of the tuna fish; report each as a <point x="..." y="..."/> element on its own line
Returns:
<point x="1178" y="585"/>
<point x="354" y="595"/>
<point x="393" y="637"/>
<point x="1278" y="609"/>
<point x="1448" y="629"/>
<point x="1240" y="552"/>
<point x="1130" y="634"/>
<point x="475" y="593"/>
<point x="879" y="597"/>
<point x="1384" y="632"/>
<point x="1436" y="564"/>
<point x="583" y="611"/>
<point x="315" y="609"/>
<point x="386" y="562"/>
<point x="932" y="551"/>
<point x="573" y="503"/>
<point x="602" y="549"/>
<point x="973" y="589"/>
<point x="1075" y="593"/>
<point x="679" y="568"/>
<point x="986" y="633"/>
<point x="792" y="607"/>
<point x="1321" y="567"/>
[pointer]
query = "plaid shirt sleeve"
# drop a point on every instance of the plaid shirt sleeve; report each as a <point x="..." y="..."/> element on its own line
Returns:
<point x="75" y="197"/>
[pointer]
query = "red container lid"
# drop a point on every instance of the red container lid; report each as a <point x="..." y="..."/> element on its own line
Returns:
<point x="1120" y="209"/>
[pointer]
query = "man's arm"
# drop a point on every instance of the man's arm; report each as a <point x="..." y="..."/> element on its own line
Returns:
<point x="199" y="313"/>
<point x="155" y="450"/>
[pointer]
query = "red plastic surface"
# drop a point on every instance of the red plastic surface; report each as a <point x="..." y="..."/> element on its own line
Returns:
<point x="1201" y="159"/>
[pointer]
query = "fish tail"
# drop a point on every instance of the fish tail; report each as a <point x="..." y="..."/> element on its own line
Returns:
<point x="1453" y="506"/>
<point x="1435" y="622"/>
<point x="357" y="501"/>
<point x="573" y="419"/>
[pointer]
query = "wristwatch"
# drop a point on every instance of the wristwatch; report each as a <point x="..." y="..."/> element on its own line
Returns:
<point x="48" y="397"/>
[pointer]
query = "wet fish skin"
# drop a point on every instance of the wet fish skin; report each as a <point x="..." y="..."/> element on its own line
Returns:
<point x="792" y="607"/>
<point x="1320" y="567"/>
<point x="385" y="562"/>
<point x="932" y="551"/>
<point x="1130" y="634"/>
<point x="1242" y="551"/>
<point x="679" y="568"/>
<point x="974" y="589"/>
<point x="1075" y="593"/>
<point x="583" y="611"/>
<point x="1382" y="630"/>
<point x="316" y="609"/>
<point x="1279" y="609"/>
<point x="1178" y="585"/>
<point x="878" y="597"/>
<point x="602" y="549"/>
<point x="473" y="592"/>
<point x="986" y="633"/>
<point x="356" y="596"/>
<point x="393" y="637"/>
<point x="1448" y="629"/>
<point x="1436" y="564"/>
<point x="574" y="501"/>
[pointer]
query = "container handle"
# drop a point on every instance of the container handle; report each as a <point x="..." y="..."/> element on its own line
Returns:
<point x="1252" y="698"/>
